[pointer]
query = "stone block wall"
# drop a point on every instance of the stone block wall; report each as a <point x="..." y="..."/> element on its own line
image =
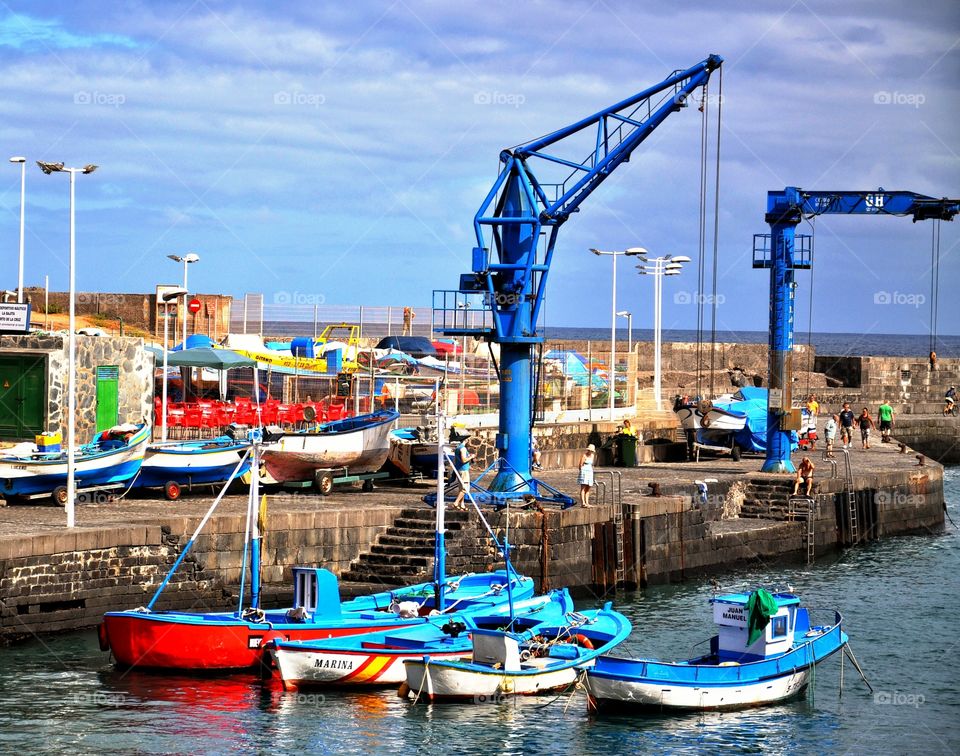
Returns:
<point x="135" y="399"/>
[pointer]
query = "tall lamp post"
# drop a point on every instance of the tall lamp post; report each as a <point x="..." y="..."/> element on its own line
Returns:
<point x="23" y="188"/>
<point x="190" y="257"/>
<point x="49" y="168"/>
<point x="166" y="298"/>
<point x="629" y="317"/>
<point x="658" y="267"/>
<point x="632" y="252"/>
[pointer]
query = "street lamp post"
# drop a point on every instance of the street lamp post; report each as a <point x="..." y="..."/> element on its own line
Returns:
<point x="661" y="266"/>
<point x="629" y="317"/>
<point x="23" y="187"/>
<point x="632" y="252"/>
<point x="166" y="298"/>
<point x="49" y="168"/>
<point x="190" y="257"/>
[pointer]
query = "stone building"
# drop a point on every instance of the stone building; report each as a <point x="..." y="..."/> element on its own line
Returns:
<point x="114" y="384"/>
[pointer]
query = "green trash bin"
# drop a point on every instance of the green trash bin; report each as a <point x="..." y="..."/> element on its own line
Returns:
<point x="628" y="450"/>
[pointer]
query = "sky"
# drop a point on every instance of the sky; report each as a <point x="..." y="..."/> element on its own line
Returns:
<point x="336" y="153"/>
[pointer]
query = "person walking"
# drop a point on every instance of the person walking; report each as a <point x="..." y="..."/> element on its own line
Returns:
<point x="950" y="401"/>
<point x="830" y="432"/>
<point x="408" y="316"/>
<point x="885" y="414"/>
<point x="585" y="478"/>
<point x="847" y="419"/>
<point x="866" y="423"/>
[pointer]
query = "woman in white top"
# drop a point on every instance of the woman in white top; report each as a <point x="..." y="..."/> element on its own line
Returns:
<point x="585" y="479"/>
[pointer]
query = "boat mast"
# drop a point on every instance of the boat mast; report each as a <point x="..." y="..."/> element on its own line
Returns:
<point x="440" y="549"/>
<point x="258" y="511"/>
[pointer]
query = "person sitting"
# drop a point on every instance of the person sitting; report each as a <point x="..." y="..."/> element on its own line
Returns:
<point x="950" y="400"/>
<point x="804" y="476"/>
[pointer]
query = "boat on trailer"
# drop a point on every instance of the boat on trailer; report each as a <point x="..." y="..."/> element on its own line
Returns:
<point x="751" y="662"/>
<point x="549" y="658"/>
<point x="112" y="459"/>
<point x="177" y="465"/>
<point x="359" y="444"/>
<point x="377" y="658"/>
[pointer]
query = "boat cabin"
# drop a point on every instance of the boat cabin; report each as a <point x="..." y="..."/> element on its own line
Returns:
<point x="731" y="618"/>
<point x="315" y="590"/>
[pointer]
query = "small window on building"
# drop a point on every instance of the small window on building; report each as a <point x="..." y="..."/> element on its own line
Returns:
<point x="778" y="627"/>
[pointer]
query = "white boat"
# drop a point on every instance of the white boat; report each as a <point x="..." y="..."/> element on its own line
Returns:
<point x="772" y="663"/>
<point x="414" y="450"/>
<point x="360" y="444"/>
<point x="508" y="663"/>
<point x="113" y="458"/>
<point x="377" y="658"/>
<point x="707" y="414"/>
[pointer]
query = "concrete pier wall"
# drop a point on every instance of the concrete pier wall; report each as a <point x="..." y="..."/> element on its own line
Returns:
<point x="67" y="579"/>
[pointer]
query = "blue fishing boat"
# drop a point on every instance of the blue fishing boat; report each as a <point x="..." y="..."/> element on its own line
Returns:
<point x="506" y="662"/>
<point x="177" y="465"/>
<point x="377" y="658"/>
<point x="113" y="458"/>
<point x="764" y="652"/>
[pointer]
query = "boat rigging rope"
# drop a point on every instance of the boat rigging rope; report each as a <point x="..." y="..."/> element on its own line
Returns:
<point x="716" y="239"/>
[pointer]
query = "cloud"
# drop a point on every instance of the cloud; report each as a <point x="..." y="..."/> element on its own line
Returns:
<point x="28" y="33"/>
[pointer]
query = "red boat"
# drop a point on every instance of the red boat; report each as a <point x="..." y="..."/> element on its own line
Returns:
<point x="227" y="640"/>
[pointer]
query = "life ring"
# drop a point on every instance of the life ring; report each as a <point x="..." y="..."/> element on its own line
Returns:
<point x="583" y="641"/>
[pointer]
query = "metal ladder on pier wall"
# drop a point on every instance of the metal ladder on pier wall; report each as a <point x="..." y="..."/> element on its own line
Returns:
<point x="806" y="507"/>
<point x="849" y="494"/>
<point x="616" y="498"/>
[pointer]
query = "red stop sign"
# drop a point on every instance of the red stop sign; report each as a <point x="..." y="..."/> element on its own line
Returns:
<point x="194" y="305"/>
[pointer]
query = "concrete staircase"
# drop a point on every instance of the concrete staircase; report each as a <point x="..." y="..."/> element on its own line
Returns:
<point x="403" y="553"/>
<point x="767" y="498"/>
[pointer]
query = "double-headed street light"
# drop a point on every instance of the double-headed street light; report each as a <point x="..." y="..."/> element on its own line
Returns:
<point x="658" y="267"/>
<point x="49" y="168"/>
<point x="631" y="252"/>
<point x="23" y="187"/>
<point x="190" y="257"/>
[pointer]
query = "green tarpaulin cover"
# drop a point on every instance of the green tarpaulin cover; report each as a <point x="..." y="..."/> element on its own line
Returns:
<point x="761" y="606"/>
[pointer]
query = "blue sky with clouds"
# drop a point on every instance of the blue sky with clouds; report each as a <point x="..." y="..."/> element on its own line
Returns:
<point x="340" y="150"/>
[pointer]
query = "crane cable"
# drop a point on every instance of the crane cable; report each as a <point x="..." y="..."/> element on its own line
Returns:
<point x="716" y="236"/>
<point x="813" y="235"/>
<point x="934" y="282"/>
<point x="702" y="226"/>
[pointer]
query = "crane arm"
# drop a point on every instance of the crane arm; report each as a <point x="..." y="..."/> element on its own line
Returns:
<point x="791" y="204"/>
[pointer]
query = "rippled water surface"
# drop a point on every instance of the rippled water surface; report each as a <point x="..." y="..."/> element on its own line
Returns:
<point x="899" y="599"/>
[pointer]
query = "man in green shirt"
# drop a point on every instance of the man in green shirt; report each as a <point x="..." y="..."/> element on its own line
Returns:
<point x="885" y="413"/>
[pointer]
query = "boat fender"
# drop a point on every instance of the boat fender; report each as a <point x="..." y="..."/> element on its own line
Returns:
<point x="404" y="690"/>
<point x="583" y="641"/>
<point x="705" y="422"/>
<point x="103" y="637"/>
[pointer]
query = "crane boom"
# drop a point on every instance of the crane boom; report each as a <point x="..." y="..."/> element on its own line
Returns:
<point x="511" y="264"/>
<point x="779" y="252"/>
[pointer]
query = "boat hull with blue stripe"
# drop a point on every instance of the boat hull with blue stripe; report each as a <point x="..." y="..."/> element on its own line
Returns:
<point x="734" y="675"/>
<point x="188" y="463"/>
<point x="103" y="462"/>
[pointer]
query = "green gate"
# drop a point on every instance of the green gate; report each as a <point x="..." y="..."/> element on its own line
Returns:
<point x="108" y="396"/>
<point x="23" y="390"/>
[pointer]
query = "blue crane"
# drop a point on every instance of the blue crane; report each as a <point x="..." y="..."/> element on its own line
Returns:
<point x="522" y="214"/>
<point x="780" y="252"/>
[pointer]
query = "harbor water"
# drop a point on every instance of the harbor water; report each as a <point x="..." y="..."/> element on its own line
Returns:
<point x="899" y="598"/>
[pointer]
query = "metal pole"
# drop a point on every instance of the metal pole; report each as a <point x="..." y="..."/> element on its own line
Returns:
<point x="589" y="382"/>
<point x="315" y="322"/>
<point x="23" y="188"/>
<point x="163" y="406"/>
<point x="185" y="290"/>
<point x="612" y="375"/>
<point x="657" y="288"/>
<point x="46" y="303"/>
<point x="360" y="332"/>
<point x="630" y="332"/>
<point x="244" y="313"/>
<point x="72" y="366"/>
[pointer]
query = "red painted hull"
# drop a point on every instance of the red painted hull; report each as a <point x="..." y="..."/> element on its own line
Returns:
<point x="145" y="641"/>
